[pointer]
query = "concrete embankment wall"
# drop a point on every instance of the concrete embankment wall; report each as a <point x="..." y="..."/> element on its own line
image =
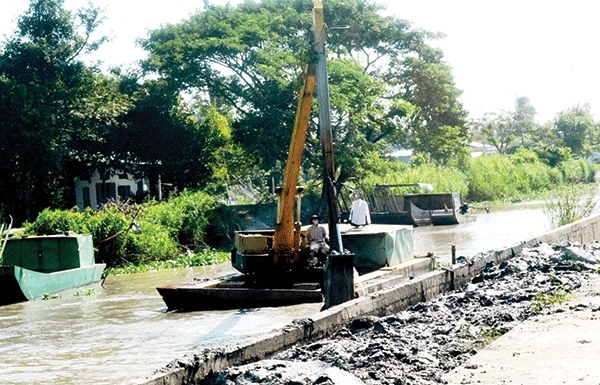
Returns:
<point x="193" y="368"/>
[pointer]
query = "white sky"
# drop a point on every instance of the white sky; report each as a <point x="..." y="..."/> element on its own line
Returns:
<point x="498" y="49"/>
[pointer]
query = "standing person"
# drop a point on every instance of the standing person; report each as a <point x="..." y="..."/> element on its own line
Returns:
<point x="317" y="238"/>
<point x="359" y="212"/>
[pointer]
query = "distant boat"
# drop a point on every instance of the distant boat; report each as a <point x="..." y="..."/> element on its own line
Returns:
<point x="424" y="209"/>
<point x="42" y="265"/>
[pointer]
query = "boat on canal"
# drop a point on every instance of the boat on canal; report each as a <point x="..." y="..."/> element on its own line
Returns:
<point x="382" y="256"/>
<point x="44" y="265"/>
<point x="281" y="266"/>
<point x="422" y="209"/>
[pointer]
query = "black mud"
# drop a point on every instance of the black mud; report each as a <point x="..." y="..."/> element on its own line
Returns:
<point x="418" y="345"/>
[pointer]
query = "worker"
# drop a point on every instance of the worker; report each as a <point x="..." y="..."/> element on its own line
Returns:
<point x="317" y="238"/>
<point x="359" y="212"/>
<point x="464" y="208"/>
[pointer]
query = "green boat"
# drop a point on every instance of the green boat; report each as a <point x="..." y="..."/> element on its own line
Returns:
<point x="41" y="265"/>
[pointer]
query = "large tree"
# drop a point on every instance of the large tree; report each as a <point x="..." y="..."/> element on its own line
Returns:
<point x="160" y="135"/>
<point x="576" y="129"/>
<point x="388" y="87"/>
<point x="50" y="104"/>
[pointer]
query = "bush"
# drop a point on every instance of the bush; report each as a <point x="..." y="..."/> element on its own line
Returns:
<point x="569" y="203"/>
<point x="168" y="229"/>
<point x="51" y="222"/>
<point x="443" y="179"/>
<point x="508" y="177"/>
<point x="577" y="171"/>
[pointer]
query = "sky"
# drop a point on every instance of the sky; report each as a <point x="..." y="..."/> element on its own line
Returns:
<point x="498" y="50"/>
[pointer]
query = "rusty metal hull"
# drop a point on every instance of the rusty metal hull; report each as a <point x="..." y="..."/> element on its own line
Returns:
<point x="224" y="295"/>
<point x="229" y="292"/>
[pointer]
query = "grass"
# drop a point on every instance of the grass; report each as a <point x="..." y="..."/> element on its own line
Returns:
<point x="570" y="203"/>
<point x="545" y="300"/>
<point x="204" y="258"/>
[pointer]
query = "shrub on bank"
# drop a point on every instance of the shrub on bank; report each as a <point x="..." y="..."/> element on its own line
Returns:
<point x="577" y="171"/>
<point x="442" y="179"/>
<point x="497" y="177"/>
<point x="126" y="234"/>
<point x="512" y="177"/>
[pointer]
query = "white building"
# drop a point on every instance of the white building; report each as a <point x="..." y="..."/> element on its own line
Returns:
<point x="115" y="185"/>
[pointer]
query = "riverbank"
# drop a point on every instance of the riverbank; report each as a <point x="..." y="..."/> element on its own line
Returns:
<point x="560" y="346"/>
<point x="439" y="341"/>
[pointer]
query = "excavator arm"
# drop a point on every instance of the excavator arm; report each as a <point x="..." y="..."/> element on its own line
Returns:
<point x="281" y="250"/>
<point x="286" y="239"/>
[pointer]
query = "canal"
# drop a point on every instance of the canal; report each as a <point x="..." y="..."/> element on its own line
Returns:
<point x="120" y="331"/>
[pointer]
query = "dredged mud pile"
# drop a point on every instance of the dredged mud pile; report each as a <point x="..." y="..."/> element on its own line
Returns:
<point x="418" y="345"/>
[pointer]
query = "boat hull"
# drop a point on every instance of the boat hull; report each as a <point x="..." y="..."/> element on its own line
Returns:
<point x="212" y="295"/>
<point x="48" y="264"/>
<point x="18" y="284"/>
<point x="418" y="209"/>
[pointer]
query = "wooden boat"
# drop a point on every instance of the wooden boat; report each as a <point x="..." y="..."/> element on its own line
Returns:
<point x="36" y="266"/>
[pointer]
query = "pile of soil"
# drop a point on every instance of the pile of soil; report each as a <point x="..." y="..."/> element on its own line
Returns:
<point x="417" y="346"/>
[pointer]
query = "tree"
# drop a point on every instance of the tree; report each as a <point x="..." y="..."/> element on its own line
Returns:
<point x="509" y="130"/>
<point x="438" y="124"/>
<point x="499" y="130"/>
<point x="576" y="129"/>
<point x="161" y="135"/>
<point x="523" y="118"/>
<point x="50" y="103"/>
<point x="246" y="61"/>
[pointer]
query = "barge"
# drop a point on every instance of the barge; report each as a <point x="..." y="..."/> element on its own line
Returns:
<point x="41" y="265"/>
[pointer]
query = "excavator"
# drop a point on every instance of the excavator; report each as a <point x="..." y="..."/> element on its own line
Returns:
<point x="282" y="252"/>
<point x="273" y="262"/>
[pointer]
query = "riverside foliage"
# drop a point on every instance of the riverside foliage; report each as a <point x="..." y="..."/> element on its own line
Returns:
<point x="172" y="233"/>
<point x="191" y="228"/>
<point x="504" y="177"/>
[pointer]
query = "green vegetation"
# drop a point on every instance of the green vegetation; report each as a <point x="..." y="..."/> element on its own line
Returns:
<point x="507" y="177"/>
<point x="542" y="301"/>
<point x="155" y="234"/>
<point x="193" y="229"/>
<point x="239" y="68"/>
<point x="491" y="334"/>
<point x="570" y="203"/>
<point x="203" y="258"/>
<point x="85" y="293"/>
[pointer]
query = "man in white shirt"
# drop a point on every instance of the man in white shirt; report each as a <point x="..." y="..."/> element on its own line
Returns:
<point x="359" y="212"/>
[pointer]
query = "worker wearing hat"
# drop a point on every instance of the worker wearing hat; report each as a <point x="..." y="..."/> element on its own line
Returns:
<point x="317" y="238"/>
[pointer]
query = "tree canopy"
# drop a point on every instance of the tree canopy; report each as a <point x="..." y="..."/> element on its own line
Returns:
<point x="50" y="103"/>
<point x="388" y="86"/>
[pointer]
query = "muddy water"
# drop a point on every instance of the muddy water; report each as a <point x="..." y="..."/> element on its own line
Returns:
<point x="118" y="333"/>
<point x="503" y="225"/>
<point x="121" y="332"/>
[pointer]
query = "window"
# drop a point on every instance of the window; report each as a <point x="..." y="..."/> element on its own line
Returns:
<point x="85" y="192"/>
<point x="104" y="192"/>
<point x="124" y="192"/>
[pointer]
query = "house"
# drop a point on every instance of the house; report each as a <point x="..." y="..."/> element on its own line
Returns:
<point x="99" y="188"/>
<point x="478" y="149"/>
